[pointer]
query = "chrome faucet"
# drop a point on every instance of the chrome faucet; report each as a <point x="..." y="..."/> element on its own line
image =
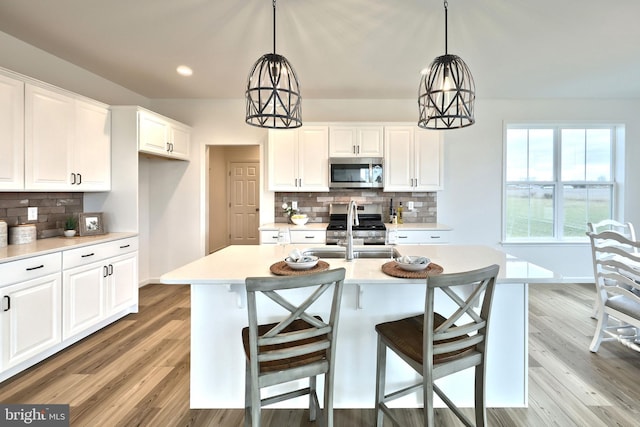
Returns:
<point x="352" y="218"/>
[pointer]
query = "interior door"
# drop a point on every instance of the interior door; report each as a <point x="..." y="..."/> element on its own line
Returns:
<point x="244" y="203"/>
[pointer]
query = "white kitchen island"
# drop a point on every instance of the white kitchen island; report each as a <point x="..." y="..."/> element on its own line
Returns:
<point x="218" y="313"/>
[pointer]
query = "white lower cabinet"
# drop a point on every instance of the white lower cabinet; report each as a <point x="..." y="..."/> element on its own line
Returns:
<point x="98" y="281"/>
<point x="50" y="301"/>
<point x="30" y="318"/>
<point x="83" y="298"/>
<point x="122" y="283"/>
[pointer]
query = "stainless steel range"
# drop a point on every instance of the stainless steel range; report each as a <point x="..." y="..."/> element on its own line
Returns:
<point x="370" y="231"/>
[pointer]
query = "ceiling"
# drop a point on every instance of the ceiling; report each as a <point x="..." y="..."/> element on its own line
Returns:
<point x="342" y="48"/>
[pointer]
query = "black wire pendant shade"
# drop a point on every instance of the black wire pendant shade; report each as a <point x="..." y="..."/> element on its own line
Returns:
<point x="446" y="94"/>
<point x="273" y="92"/>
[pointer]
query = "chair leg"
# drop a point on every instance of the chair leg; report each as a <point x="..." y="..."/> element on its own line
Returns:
<point x="312" y="402"/>
<point x="427" y="404"/>
<point x="480" y="398"/>
<point x="328" y="397"/>
<point x="381" y="368"/>
<point x="247" y="395"/>
<point x="603" y="320"/>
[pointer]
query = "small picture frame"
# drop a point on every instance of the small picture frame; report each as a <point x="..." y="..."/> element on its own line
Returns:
<point x="90" y="224"/>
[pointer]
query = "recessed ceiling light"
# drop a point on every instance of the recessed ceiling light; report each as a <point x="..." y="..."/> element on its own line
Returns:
<point x="184" y="70"/>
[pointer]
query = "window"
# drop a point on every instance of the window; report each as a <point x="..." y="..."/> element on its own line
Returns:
<point x="557" y="178"/>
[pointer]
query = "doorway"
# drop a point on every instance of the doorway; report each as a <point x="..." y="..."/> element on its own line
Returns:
<point x="221" y="157"/>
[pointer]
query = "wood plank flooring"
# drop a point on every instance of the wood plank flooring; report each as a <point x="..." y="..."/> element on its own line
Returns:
<point x="136" y="372"/>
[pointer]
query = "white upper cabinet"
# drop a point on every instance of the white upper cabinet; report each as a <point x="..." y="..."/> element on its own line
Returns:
<point x="354" y="140"/>
<point x="413" y="160"/>
<point x="67" y="142"/>
<point x="298" y="159"/>
<point x="92" y="148"/>
<point x="11" y="133"/>
<point x="162" y="136"/>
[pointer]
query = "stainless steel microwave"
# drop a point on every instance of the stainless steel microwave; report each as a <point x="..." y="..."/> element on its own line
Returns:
<point x="356" y="172"/>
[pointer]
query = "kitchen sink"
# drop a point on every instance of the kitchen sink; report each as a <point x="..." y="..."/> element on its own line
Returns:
<point x="358" y="252"/>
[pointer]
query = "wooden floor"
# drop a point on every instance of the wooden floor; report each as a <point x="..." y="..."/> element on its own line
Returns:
<point x="136" y="372"/>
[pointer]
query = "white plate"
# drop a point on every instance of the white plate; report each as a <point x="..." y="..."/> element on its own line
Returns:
<point x="413" y="263"/>
<point x="306" y="263"/>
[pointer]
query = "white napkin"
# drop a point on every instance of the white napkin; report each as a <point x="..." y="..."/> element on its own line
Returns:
<point x="295" y="256"/>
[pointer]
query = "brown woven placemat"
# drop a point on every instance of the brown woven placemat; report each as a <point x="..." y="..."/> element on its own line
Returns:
<point x="393" y="269"/>
<point x="282" y="269"/>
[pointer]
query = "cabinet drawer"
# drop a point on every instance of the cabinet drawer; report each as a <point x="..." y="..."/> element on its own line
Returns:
<point x="417" y="237"/>
<point x="307" y="236"/>
<point x="269" y="237"/>
<point x="29" y="268"/>
<point x="436" y="237"/>
<point x="93" y="253"/>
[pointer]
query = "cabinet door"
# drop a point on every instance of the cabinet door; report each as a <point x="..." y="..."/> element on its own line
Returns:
<point x="11" y="134"/>
<point x="122" y="286"/>
<point x="92" y="152"/>
<point x="342" y="141"/>
<point x="153" y="134"/>
<point x="428" y="157"/>
<point x="180" y="140"/>
<point x="398" y="158"/>
<point x="370" y="141"/>
<point x="83" y="298"/>
<point x="313" y="158"/>
<point x="49" y="134"/>
<point x="282" y="158"/>
<point x="30" y="318"/>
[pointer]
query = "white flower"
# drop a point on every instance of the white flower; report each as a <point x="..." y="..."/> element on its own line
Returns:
<point x="285" y="206"/>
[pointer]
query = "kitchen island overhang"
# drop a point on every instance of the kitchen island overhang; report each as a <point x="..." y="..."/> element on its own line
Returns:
<point x="218" y="313"/>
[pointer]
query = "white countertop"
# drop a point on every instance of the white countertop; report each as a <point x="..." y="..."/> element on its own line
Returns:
<point x="274" y="226"/>
<point x="55" y="244"/>
<point x="233" y="264"/>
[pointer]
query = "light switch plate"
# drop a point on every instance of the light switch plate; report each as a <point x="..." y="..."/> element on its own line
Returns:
<point x="294" y="205"/>
<point x="32" y="214"/>
<point x="410" y="206"/>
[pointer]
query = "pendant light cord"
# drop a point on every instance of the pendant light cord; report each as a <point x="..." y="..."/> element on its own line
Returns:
<point x="446" y="47"/>
<point x="274" y="27"/>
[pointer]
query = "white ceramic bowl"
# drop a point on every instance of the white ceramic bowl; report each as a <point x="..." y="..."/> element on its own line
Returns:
<point x="304" y="263"/>
<point x="300" y="220"/>
<point x="413" y="263"/>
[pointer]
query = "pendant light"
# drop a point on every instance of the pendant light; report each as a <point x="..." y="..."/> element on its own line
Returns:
<point x="273" y="92"/>
<point x="447" y="91"/>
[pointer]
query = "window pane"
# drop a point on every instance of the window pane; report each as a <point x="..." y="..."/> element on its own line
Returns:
<point x="573" y="154"/>
<point x="517" y="153"/>
<point x="541" y="155"/>
<point x="583" y="204"/>
<point x="599" y="144"/>
<point x="529" y="211"/>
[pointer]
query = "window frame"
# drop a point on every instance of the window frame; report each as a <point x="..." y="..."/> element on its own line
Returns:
<point x="558" y="186"/>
